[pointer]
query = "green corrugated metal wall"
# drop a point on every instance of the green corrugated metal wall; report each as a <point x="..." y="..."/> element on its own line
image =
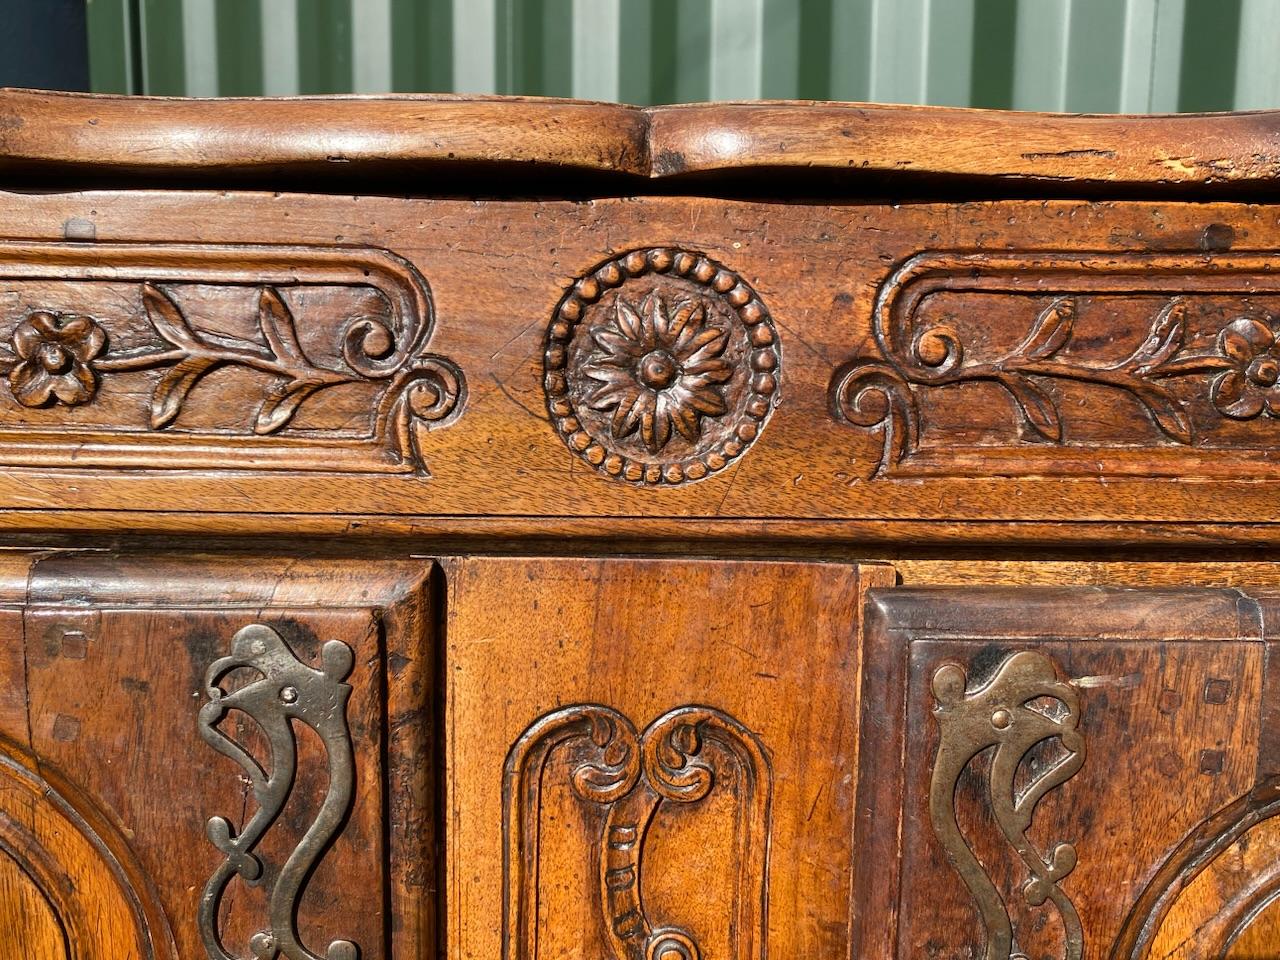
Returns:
<point x="1076" y="55"/>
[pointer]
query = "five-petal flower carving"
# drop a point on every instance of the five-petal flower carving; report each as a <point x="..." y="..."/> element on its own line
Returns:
<point x="659" y="367"/>
<point x="1249" y="386"/>
<point x="55" y="354"/>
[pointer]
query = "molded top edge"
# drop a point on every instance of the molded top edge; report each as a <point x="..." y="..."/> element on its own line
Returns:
<point x="65" y="136"/>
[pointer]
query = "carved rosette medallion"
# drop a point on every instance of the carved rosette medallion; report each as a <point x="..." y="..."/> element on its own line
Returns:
<point x="661" y="366"/>
<point x="1022" y="706"/>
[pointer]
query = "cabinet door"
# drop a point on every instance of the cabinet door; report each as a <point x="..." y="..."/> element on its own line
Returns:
<point x="1067" y="773"/>
<point x="651" y="759"/>
<point x="209" y="745"/>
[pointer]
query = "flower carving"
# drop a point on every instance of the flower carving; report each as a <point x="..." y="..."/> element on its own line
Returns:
<point x="659" y="368"/>
<point x="54" y="359"/>
<point x="1249" y="385"/>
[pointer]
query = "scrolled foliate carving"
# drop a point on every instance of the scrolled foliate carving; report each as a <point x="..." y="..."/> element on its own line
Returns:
<point x="284" y="357"/>
<point x="1187" y="346"/>
<point x="661" y="366"/>
<point x="1022" y="705"/>
<point x="284" y="692"/>
<point x="626" y="777"/>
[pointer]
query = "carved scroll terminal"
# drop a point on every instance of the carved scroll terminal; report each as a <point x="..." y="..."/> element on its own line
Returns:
<point x="259" y="357"/>
<point x="1007" y="715"/>
<point x="628" y="778"/>
<point x="286" y="691"/>
<point x="1191" y="352"/>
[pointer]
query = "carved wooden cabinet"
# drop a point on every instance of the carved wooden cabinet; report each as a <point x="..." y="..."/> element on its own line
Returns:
<point x="511" y="529"/>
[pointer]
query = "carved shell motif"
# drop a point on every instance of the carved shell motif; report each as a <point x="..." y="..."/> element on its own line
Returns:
<point x="661" y="367"/>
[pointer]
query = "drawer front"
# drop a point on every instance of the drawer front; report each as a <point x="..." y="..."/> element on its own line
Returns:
<point x="215" y="743"/>
<point x="1068" y="773"/>
<point x="815" y="367"/>
<point x="651" y="758"/>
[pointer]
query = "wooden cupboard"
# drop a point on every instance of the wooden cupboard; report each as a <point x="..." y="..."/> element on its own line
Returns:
<point x="497" y="528"/>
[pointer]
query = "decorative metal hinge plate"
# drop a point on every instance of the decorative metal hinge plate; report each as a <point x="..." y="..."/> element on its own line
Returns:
<point x="1023" y="705"/>
<point x="287" y="691"/>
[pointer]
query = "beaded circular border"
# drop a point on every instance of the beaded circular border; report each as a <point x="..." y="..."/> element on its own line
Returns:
<point x="765" y="360"/>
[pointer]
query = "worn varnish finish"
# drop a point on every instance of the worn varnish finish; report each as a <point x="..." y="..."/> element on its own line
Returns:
<point x="648" y="713"/>
<point x="1131" y="754"/>
<point x="506" y="528"/>
<point x="115" y="680"/>
<point x="140" y="137"/>
<point x="1081" y="426"/>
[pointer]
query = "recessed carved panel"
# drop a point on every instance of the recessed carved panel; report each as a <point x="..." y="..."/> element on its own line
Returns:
<point x="1214" y="892"/>
<point x="78" y="876"/>
<point x="205" y="706"/>
<point x="625" y="783"/>
<point x="1071" y="363"/>
<point x="1055" y="749"/>
<point x="226" y="356"/>
<point x="661" y="366"/>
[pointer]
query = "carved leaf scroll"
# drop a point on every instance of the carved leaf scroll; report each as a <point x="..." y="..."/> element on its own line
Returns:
<point x="1006" y="715"/>
<point x="1231" y="364"/>
<point x="285" y="691"/>
<point x="629" y="776"/>
<point x="270" y="330"/>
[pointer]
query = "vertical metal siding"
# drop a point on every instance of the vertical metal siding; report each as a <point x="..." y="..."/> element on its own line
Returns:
<point x="1132" y="56"/>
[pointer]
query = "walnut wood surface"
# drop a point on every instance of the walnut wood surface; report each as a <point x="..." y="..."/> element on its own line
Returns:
<point x="1006" y="437"/>
<point x="32" y="928"/>
<point x="76" y="135"/>
<point x="1173" y="689"/>
<point x="528" y="637"/>
<point x="508" y="477"/>
<point x="118" y="648"/>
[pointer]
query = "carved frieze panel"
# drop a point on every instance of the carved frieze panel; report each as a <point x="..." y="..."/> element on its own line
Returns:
<point x="629" y="789"/>
<point x="1071" y="363"/>
<point x="252" y="357"/>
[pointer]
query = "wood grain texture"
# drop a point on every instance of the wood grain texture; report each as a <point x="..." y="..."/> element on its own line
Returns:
<point x="525" y="466"/>
<point x="71" y="887"/>
<point x="1219" y="913"/>
<point x="1166" y="687"/>
<point x="818" y="270"/>
<point x="117" y="650"/>
<point x="31" y="927"/>
<point x="1060" y="152"/>
<point x="87" y="134"/>
<point x="77" y="135"/>
<point x="530" y="639"/>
